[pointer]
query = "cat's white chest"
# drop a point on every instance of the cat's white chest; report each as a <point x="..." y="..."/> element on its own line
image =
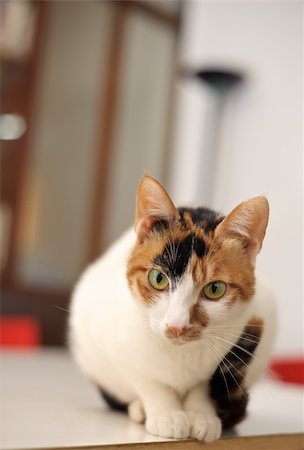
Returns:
<point x="178" y="366"/>
<point x="184" y="369"/>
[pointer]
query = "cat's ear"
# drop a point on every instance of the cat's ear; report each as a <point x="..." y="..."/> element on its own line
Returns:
<point x="153" y="204"/>
<point x="247" y="222"/>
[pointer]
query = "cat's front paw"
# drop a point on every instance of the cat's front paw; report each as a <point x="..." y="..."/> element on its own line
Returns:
<point x="204" y="427"/>
<point x="169" y="425"/>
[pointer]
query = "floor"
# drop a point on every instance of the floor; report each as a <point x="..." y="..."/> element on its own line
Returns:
<point x="46" y="402"/>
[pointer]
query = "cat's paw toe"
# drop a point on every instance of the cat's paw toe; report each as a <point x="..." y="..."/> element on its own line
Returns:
<point x="136" y="411"/>
<point x="169" y="425"/>
<point x="205" y="427"/>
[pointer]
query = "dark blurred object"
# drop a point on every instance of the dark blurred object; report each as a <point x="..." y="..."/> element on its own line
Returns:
<point x="219" y="80"/>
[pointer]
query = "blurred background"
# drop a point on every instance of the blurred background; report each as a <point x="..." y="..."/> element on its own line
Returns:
<point x="206" y="96"/>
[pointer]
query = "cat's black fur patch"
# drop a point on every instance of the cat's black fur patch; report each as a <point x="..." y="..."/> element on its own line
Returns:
<point x="204" y="218"/>
<point x="113" y="402"/>
<point x="175" y="257"/>
<point x="199" y="247"/>
<point x="176" y="254"/>
<point x="226" y="386"/>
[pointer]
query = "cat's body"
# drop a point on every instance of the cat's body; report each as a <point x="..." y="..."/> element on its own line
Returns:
<point x="161" y="355"/>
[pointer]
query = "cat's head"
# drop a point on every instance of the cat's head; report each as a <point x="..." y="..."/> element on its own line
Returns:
<point x="192" y="269"/>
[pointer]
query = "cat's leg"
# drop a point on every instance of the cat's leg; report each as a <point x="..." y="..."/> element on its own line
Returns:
<point x="205" y="424"/>
<point x="163" y="410"/>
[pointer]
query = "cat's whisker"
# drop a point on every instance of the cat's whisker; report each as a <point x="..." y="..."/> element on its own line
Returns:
<point x="233" y="377"/>
<point x="228" y="369"/>
<point x="238" y="331"/>
<point x="238" y="371"/>
<point x="249" y="334"/>
<point x="270" y="371"/>
<point x="237" y="336"/>
<point x="244" y="350"/>
<point x="266" y="367"/>
<point x="230" y="363"/>
<point x="63" y="309"/>
<point x="233" y="353"/>
<point x="145" y="325"/>
<point x="233" y="367"/>
<point x="236" y="326"/>
<point x="223" y="375"/>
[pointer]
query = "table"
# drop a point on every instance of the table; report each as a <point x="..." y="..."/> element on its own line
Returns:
<point x="46" y="402"/>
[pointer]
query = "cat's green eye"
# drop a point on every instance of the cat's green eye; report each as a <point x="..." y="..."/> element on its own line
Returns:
<point x="158" y="280"/>
<point x="215" y="290"/>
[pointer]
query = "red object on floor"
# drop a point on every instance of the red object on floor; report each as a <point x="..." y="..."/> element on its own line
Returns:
<point x="290" y="370"/>
<point x="20" y="331"/>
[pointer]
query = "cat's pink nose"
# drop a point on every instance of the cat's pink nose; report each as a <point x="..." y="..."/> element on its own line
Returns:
<point x="177" y="332"/>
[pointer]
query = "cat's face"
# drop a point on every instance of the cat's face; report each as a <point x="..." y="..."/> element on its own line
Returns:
<point x="193" y="269"/>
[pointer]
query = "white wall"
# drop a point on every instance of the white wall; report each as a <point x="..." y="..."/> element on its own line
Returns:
<point x="261" y="135"/>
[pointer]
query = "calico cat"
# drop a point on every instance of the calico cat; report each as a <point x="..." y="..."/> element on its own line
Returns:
<point x="171" y="321"/>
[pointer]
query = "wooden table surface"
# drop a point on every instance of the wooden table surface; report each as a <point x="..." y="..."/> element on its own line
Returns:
<point x="46" y="402"/>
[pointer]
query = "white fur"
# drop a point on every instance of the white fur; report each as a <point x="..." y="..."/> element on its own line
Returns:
<point x="120" y="344"/>
<point x="173" y="308"/>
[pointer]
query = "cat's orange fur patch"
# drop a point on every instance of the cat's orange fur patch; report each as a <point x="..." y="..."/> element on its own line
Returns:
<point x="140" y="263"/>
<point x="198" y="315"/>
